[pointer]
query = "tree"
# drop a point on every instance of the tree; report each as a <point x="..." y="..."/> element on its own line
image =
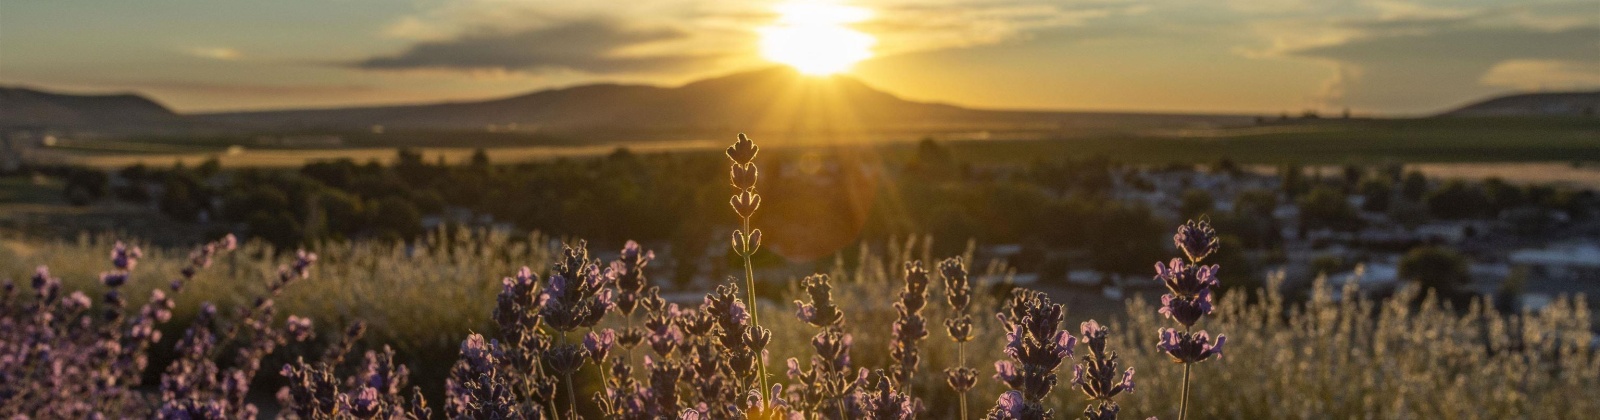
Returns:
<point x="1256" y="202"/>
<point x="1457" y="200"/>
<point x="396" y="218"/>
<point x="1414" y="186"/>
<point x="84" y="186"/>
<point x="209" y="168"/>
<point x="1327" y="207"/>
<point x="1353" y="174"/>
<point x="178" y="201"/>
<point x="1227" y="166"/>
<point x="276" y="227"/>
<point x="1375" y="193"/>
<point x="343" y="212"/>
<point x="480" y="158"/>
<point x="1294" y="180"/>
<point x="1437" y="268"/>
<point x="1502" y="196"/>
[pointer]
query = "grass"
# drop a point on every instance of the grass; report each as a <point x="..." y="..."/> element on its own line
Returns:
<point x="1327" y="358"/>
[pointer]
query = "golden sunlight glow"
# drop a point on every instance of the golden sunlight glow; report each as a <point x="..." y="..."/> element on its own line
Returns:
<point x="815" y="38"/>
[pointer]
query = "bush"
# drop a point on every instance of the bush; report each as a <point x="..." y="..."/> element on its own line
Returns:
<point x="1438" y="269"/>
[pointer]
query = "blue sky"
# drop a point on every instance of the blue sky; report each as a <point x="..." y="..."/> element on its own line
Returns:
<point x="1255" y="56"/>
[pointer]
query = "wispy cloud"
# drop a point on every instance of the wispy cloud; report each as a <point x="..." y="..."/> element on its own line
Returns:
<point x="936" y="25"/>
<point x="215" y="53"/>
<point x="1418" y="69"/>
<point x="592" y="46"/>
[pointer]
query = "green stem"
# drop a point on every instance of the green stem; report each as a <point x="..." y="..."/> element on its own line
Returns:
<point x="750" y="283"/>
<point x="961" y="355"/>
<point x="572" y="401"/>
<point x="572" y="397"/>
<point x="1183" y="407"/>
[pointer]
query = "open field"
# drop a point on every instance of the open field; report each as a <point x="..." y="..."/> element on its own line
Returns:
<point x="1319" y="142"/>
<point x="1329" y="142"/>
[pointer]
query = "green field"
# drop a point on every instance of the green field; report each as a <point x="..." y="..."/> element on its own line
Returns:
<point x="1309" y="142"/>
<point x="1329" y="142"/>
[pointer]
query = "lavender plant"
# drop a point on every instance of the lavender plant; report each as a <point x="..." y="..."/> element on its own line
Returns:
<point x="73" y="366"/>
<point x="1188" y="299"/>
<point x="958" y="293"/>
<point x="746" y="240"/>
<point x="67" y="355"/>
<point x="195" y="386"/>
<point x="829" y="379"/>
<point x="909" y="327"/>
<point x="1096" y="375"/>
<point x="1037" y="346"/>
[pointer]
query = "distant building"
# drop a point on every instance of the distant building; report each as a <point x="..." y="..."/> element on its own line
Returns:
<point x="1570" y="261"/>
<point x="308" y="140"/>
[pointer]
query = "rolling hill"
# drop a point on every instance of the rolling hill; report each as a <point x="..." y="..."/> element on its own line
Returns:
<point x="1567" y="104"/>
<point x="773" y="99"/>
<point x="765" y="100"/>
<point x="22" y="107"/>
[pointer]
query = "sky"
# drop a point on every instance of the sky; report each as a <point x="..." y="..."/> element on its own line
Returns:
<point x="1381" y="57"/>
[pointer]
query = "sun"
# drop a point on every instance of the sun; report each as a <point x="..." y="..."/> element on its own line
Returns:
<point x="815" y="37"/>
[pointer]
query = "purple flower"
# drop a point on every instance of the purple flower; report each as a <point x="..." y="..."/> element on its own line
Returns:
<point x="125" y="258"/>
<point x="1012" y="405"/>
<point x="1104" y="410"/>
<point x="365" y="403"/>
<point x="887" y="403"/>
<point x="299" y="329"/>
<point x="1185" y="279"/>
<point x="77" y="301"/>
<point x="1036" y="344"/>
<point x="1190" y="347"/>
<point x="1007" y="373"/>
<point x="1196" y="239"/>
<point x="958" y="291"/>
<point x="961" y="379"/>
<point x="302" y="263"/>
<point x="821" y="312"/>
<point x="114" y="278"/>
<point x="1186" y="311"/>
<point x="599" y="344"/>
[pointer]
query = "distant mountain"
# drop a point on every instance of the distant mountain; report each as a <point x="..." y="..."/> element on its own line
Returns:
<point x="1533" y="104"/>
<point x="776" y="99"/>
<point x="27" y="108"/>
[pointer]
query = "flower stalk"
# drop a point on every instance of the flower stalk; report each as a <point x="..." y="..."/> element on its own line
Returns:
<point x="1188" y="299"/>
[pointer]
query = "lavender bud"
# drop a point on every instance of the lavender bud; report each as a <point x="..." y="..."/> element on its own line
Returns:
<point x="1196" y="239"/>
<point x="745" y="203"/>
<point x="599" y="344"/>
<point x="743" y="150"/>
<point x="125" y="258"/>
<point x="744" y="176"/>
<point x="299" y="329"/>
